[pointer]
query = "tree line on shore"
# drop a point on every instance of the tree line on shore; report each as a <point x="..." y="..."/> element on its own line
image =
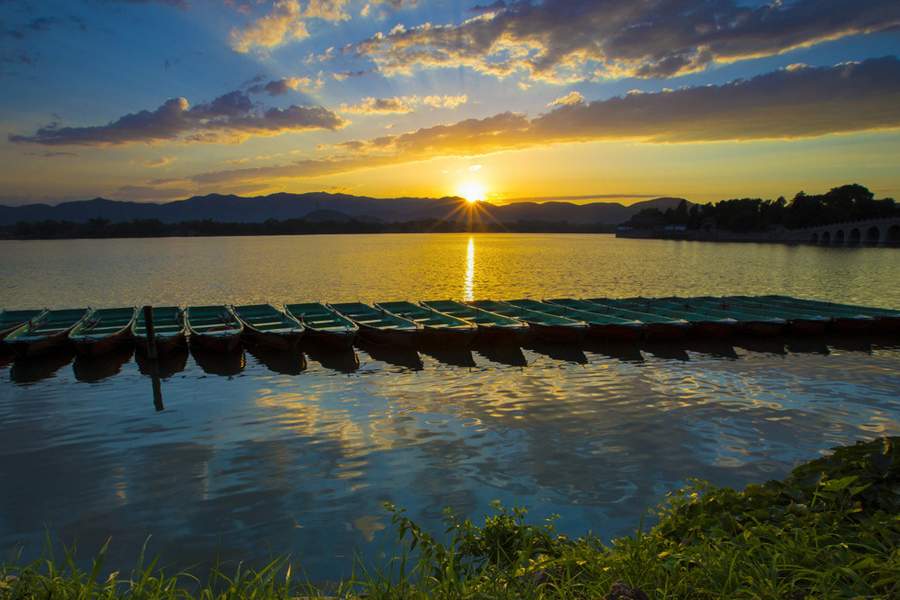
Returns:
<point x="852" y="202"/>
<point x="143" y="228"/>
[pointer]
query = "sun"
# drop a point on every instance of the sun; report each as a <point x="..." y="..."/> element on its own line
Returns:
<point x="472" y="191"/>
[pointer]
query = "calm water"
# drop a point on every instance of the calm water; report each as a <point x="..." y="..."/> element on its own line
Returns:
<point x="256" y="456"/>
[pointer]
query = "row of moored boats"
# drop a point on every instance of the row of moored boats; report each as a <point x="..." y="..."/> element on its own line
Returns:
<point x="222" y="327"/>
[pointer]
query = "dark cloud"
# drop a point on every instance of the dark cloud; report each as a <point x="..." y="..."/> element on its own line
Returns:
<point x="50" y="154"/>
<point x="571" y="40"/>
<point x="797" y="102"/>
<point x="281" y="86"/>
<point x="229" y="118"/>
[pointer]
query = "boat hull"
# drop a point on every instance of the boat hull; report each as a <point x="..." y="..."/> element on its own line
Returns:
<point x="271" y="339"/>
<point x="616" y="333"/>
<point x="325" y="327"/>
<point x="712" y="329"/>
<point x="560" y="334"/>
<point x="500" y="333"/>
<point x="165" y="343"/>
<point x="665" y="332"/>
<point x="216" y="341"/>
<point x="458" y="336"/>
<point x="856" y="326"/>
<point x="214" y="328"/>
<point x="333" y="340"/>
<point x="34" y="346"/>
<point x="396" y="337"/>
<point x="101" y="345"/>
<point x="48" y="333"/>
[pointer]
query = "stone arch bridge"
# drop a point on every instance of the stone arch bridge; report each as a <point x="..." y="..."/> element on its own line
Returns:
<point x="873" y="232"/>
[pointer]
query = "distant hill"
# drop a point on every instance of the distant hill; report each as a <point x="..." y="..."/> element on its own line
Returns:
<point x="322" y="206"/>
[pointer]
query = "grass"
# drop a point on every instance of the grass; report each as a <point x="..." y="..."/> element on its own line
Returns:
<point x="828" y="531"/>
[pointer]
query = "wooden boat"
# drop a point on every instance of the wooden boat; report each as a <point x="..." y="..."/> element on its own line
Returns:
<point x="548" y="327"/>
<point x="844" y="318"/>
<point x="378" y="326"/>
<point x="797" y="321"/>
<point x="702" y="325"/>
<point x="169" y="329"/>
<point x="887" y="319"/>
<point x="605" y="327"/>
<point x="749" y="323"/>
<point x="491" y="326"/>
<point x="10" y="320"/>
<point x="50" y="330"/>
<point x="324" y="325"/>
<point x="658" y="327"/>
<point x="436" y="326"/>
<point x="104" y="329"/>
<point x="265" y="325"/>
<point x="214" y="327"/>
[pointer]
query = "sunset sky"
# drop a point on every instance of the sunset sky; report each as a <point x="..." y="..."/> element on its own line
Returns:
<point x="157" y="100"/>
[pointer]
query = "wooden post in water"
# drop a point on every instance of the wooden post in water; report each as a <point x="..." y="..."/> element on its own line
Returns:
<point x="152" y="355"/>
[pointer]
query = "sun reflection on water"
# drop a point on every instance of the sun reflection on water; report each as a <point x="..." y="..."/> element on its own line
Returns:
<point x="469" y="290"/>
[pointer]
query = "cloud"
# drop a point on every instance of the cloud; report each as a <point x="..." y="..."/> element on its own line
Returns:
<point x="402" y="105"/>
<point x="572" y="40"/>
<point x="445" y="101"/>
<point x="282" y="25"/>
<point x="570" y="99"/>
<point x="230" y="118"/>
<point x="283" y="86"/>
<point x="161" y="162"/>
<point x="50" y="154"/>
<point x="791" y="103"/>
<point x="286" y="23"/>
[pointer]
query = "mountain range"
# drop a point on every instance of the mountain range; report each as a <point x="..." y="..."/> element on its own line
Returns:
<point x="322" y="206"/>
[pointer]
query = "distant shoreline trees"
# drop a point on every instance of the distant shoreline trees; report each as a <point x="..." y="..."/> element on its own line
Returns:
<point x="851" y="202"/>
<point x="100" y="228"/>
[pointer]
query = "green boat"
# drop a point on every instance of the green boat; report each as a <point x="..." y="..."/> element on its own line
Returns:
<point x="829" y="306"/>
<point x="545" y="326"/>
<point x="10" y="320"/>
<point x="324" y="325"/>
<point x="379" y="326"/>
<point x="749" y="323"/>
<point x="437" y="326"/>
<point x="50" y="330"/>
<point x="214" y="327"/>
<point x="605" y="327"/>
<point x="702" y="325"/>
<point x="268" y="327"/>
<point x="844" y="317"/>
<point x="796" y="320"/>
<point x="658" y="327"/>
<point x="169" y="329"/>
<point x="491" y="326"/>
<point x="104" y="329"/>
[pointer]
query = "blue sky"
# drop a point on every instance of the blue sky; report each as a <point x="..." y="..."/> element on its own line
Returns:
<point x="157" y="100"/>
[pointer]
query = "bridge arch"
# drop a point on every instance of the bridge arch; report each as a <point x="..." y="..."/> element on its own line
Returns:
<point x="826" y="238"/>
<point x="839" y="237"/>
<point x="892" y="236"/>
<point x="873" y="235"/>
<point x="814" y="238"/>
<point x="854" y="237"/>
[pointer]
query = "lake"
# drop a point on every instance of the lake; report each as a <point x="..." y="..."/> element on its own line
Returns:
<point x="256" y="456"/>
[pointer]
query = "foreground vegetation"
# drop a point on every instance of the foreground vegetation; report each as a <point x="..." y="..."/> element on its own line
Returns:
<point x="829" y="530"/>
